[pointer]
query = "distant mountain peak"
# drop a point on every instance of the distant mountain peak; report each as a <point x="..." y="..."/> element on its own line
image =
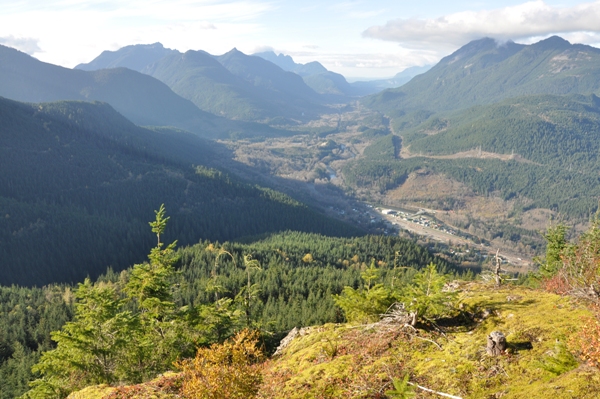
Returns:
<point x="283" y="61"/>
<point x="135" y="56"/>
<point x="157" y="45"/>
<point x="553" y="42"/>
<point x="485" y="71"/>
<point x="472" y="48"/>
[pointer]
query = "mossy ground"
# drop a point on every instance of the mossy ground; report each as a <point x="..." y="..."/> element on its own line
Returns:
<point x="166" y="386"/>
<point x="538" y="362"/>
<point x="346" y="361"/>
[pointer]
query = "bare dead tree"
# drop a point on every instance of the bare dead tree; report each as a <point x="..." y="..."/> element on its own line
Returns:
<point x="497" y="275"/>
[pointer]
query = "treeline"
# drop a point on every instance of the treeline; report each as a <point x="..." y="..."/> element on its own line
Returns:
<point x="300" y="272"/>
<point x="27" y="316"/>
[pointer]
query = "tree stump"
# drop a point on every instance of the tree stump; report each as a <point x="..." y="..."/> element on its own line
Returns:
<point x="496" y="343"/>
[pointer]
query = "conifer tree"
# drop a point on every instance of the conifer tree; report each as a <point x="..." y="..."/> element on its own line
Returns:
<point x="367" y="303"/>
<point x="89" y="348"/>
<point x="425" y="297"/>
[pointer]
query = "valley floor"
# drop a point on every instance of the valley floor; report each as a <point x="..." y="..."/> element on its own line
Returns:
<point x="310" y="167"/>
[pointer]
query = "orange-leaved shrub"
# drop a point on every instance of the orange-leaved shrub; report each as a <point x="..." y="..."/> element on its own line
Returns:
<point x="578" y="270"/>
<point x="229" y="370"/>
<point x="587" y="340"/>
<point x="574" y="269"/>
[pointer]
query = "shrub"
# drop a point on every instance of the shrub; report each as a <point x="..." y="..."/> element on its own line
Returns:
<point x="229" y="370"/>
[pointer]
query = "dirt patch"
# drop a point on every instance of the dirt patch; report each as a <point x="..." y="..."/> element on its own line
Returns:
<point x="475" y="153"/>
<point x="422" y="185"/>
<point x="537" y="219"/>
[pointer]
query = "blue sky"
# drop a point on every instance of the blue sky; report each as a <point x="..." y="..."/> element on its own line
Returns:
<point x="370" y="38"/>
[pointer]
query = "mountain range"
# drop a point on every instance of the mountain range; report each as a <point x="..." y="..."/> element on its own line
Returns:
<point x="317" y="76"/>
<point x="141" y="98"/>
<point x="233" y="85"/>
<point x="322" y="81"/>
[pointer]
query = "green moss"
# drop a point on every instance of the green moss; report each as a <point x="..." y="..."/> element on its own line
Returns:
<point x="537" y="364"/>
<point x="93" y="392"/>
<point x="166" y="386"/>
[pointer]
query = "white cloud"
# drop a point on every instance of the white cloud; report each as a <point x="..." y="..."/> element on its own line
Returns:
<point x="25" y="44"/>
<point x="262" y="49"/>
<point x="520" y="22"/>
<point x="374" y="65"/>
<point x="74" y="31"/>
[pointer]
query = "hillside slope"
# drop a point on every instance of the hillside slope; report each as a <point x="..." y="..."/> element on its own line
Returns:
<point x="79" y="183"/>
<point x="142" y="99"/>
<point x="238" y="86"/>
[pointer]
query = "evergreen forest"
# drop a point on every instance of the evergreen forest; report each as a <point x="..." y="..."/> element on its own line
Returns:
<point x="197" y="295"/>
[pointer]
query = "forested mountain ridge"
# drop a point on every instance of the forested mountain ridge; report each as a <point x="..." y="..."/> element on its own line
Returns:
<point x="238" y="86"/>
<point x="317" y="77"/>
<point x="508" y="131"/>
<point x="560" y="131"/>
<point x="234" y="85"/>
<point x="79" y="180"/>
<point x="199" y="77"/>
<point x="485" y="71"/>
<point x="264" y="74"/>
<point x="536" y="154"/>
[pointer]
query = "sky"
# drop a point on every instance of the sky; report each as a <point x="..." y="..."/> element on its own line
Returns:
<point x="359" y="39"/>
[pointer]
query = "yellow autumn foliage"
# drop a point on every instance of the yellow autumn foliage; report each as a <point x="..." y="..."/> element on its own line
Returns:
<point x="229" y="370"/>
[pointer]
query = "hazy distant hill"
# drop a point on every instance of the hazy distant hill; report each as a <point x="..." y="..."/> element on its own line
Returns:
<point x="326" y="82"/>
<point x="141" y="98"/>
<point x="135" y="57"/>
<point x="283" y="61"/>
<point x="377" y="85"/>
<point x="79" y="184"/>
<point x="316" y="76"/>
<point x="195" y="75"/>
<point x="264" y="74"/>
<point x="484" y="71"/>
<point x="199" y="77"/>
<point x="233" y="85"/>
<point x="279" y="87"/>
